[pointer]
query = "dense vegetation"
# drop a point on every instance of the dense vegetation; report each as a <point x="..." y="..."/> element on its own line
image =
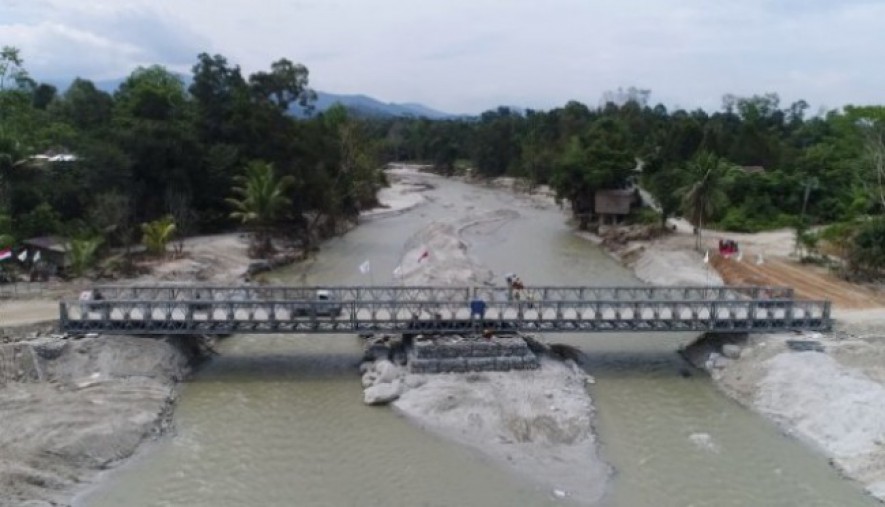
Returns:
<point x="160" y="157"/>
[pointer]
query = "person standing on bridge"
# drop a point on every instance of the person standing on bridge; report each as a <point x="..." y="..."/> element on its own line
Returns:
<point x="478" y="308"/>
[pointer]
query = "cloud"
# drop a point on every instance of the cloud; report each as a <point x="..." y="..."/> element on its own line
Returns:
<point x="95" y="39"/>
<point x="471" y="55"/>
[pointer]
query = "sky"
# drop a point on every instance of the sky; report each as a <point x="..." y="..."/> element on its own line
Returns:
<point x="467" y="56"/>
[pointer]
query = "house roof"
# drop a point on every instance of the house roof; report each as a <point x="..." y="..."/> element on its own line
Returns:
<point x="752" y="169"/>
<point x="54" y="243"/>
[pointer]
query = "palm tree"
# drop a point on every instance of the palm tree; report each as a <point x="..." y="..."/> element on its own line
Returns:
<point x="157" y="234"/>
<point x="260" y="200"/>
<point x="705" y="195"/>
<point x="83" y="254"/>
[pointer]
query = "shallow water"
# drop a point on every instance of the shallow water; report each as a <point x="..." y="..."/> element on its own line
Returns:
<point x="279" y="420"/>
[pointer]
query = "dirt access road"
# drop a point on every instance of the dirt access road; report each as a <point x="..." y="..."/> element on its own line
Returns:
<point x="809" y="282"/>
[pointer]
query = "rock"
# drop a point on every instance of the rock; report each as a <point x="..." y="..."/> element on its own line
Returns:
<point x="49" y="349"/>
<point x="365" y="367"/>
<point x="414" y="381"/>
<point x="381" y="394"/>
<point x="721" y="362"/>
<point x="716" y="362"/>
<point x="731" y="351"/>
<point x="258" y="267"/>
<point x="386" y="371"/>
<point x="376" y="351"/>
<point x="369" y="379"/>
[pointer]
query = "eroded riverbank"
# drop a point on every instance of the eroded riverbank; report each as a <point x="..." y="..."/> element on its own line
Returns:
<point x="73" y="407"/>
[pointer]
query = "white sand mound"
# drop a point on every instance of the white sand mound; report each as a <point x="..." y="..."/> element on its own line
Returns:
<point x="836" y="408"/>
<point x="438" y="256"/>
<point x="538" y="423"/>
<point x="833" y="400"/>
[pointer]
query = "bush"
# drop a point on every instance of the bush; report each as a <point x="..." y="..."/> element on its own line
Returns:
<point x="157" y="234"/>
<point x="40" y="221"/>
<point x="736" y="220"/>
<point x="644" y="216"/>
<point x="867" y="250"/>
<point x="83" y="254"/>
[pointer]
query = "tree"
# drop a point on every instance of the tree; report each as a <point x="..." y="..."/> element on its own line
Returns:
<point x="156" y="235"/>
<point x="261" y="200"/>
<point x="11" y="69"/>
<point x="664" y="184"/>
<point x="6" y="237"/>
<point x="584" y="167"/>
<point x="284" y="84"/>
<point x="867" y="252"/>
<point x="84" y="106"/>
<point x="705" y="196"/>
<point x="154" y="125"/>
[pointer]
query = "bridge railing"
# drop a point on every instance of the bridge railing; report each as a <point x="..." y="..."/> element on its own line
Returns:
<point x="441" y="316"/>
<point x="345" y="294"/>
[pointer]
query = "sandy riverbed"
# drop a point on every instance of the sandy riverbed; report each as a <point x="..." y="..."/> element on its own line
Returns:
<point x="537" y="423"/>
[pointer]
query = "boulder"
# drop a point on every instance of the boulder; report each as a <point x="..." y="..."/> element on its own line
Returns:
<point x="731" y="351"/>
<point x="257" y="267"/>
<point x="369" y="379"/>
<point x="386" y="371"/>
<point x="415" y="381"/>
<point x="382" y="394"/>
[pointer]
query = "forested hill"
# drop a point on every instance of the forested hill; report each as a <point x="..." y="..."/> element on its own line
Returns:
<point x="363" y="105"/>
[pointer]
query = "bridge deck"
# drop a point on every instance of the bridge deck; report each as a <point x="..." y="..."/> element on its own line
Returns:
<point x="346" y="294"/>
<point x="288" y="316"/>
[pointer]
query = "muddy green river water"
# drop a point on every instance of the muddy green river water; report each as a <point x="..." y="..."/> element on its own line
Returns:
<point x="279" y="420"/>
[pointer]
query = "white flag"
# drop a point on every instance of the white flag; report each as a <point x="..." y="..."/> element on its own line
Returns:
<point x="398" y="271"/>
<point x="707" y="257"/>
<point x="36" y="256"/>
<point x="740" y="256"/>
<point x="22" y="257"/>
<point x="759" y="260"/>
<point x="365" y="267"/>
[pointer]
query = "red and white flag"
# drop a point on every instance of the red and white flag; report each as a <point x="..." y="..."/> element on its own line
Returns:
<point x="5" y="253"/>
<point x="424" y="255"/>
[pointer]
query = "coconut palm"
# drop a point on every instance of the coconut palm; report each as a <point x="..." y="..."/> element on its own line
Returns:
<point x="705" y="196"/>
<point x="261" y="200"/>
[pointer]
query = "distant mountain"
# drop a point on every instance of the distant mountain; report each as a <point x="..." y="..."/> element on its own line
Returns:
<point x="361" y="105"/>
<point x="367" y="106"/>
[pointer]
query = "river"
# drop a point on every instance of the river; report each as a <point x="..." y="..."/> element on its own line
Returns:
<point x="279" y="420"/>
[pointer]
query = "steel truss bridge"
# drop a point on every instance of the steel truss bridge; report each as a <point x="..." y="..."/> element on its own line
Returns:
<point x="215" y="310"/>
